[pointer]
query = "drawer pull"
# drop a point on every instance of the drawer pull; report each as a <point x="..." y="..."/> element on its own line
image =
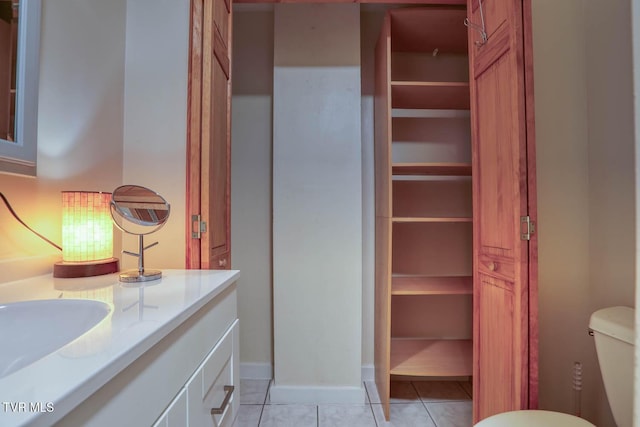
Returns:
<point x="229" y="390"/>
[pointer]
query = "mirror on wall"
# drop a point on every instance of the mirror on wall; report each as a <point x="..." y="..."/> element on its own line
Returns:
<point x="19" y="73"/>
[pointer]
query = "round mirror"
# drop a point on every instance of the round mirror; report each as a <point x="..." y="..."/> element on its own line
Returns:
<point x="138" y="210"/>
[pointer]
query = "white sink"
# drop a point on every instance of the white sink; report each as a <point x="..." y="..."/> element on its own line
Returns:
<point x="32" y="329"/>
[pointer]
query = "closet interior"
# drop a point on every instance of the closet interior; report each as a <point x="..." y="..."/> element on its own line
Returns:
<point x="423" y="192"/>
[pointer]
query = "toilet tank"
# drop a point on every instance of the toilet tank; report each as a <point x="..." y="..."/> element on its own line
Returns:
<point x="614" y="338"/>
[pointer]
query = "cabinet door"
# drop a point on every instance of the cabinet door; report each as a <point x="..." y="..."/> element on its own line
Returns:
<point x="209" y="139"/>
<point x="211" y="385"/>
<point x="505" y="351"/>
<point x="215" y="184"/>
<point x="176" y="413"/>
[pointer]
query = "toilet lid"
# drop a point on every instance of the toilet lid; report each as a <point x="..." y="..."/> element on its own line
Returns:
<point x="533" y="418"/>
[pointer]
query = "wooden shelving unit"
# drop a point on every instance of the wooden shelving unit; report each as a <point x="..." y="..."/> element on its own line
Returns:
<point x="423" y="207"/>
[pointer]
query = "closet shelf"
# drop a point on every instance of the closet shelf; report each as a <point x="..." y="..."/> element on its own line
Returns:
<point x="422" y="285"/>
<point x="431" y="357"/>
<point x="434" y="169"/>
<point x="430" y="95"/>
<point x="414" y="113"/>
<point x="396" y="219"/>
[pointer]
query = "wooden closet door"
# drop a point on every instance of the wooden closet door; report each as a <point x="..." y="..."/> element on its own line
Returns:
<point x="209" y="146"/>
<point x="505" y="347"/>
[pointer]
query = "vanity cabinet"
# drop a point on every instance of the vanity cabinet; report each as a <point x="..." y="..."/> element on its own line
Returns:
<point x="211" y="386"/>
<point x="177" y="381"/>
<point x="176" y="413"/>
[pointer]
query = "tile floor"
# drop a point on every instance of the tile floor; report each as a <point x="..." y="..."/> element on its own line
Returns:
<point x="413" y="404"/>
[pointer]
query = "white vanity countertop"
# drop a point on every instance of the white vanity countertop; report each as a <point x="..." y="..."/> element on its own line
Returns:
<point x="141" y="316"/>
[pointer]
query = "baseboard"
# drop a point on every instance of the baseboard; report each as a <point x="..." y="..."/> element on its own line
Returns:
<point x="264" y="371"/>
<point x="316" y="395"/>
<point x="256" y="371"/>
<point x="368" y="373"/>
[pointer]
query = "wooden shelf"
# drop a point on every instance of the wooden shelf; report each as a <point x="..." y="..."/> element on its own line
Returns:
<point x="421" y="285"/>
<point x="430" y="95"/>
<point x="429" y="357"/>
<point x="429" y="113"/>
<point x="432" y="169"/>
<point x="431" y="219"/>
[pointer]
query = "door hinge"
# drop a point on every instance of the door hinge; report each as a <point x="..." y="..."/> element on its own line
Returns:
<point x="197" y="226"/>
<point x="527" y="228"/>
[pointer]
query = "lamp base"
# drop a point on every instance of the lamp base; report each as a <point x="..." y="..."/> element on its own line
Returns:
<point x="69" y="270"/>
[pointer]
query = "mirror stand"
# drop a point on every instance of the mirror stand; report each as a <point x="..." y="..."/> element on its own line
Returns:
<point x="139" y="211"/>
<point x="140" y="275"/>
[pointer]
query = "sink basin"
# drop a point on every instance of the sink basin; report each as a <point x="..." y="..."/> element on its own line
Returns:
<point x="32" y="329"/>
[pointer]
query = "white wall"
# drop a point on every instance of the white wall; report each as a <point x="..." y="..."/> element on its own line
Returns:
<point x="563" y="194"/>
<point x="251" y="194"/>
<point x="611" y="168"/>
<point x="317" y="197"/>
<point x="635" y="28"/>
<point x="94" y="133"/>
<point x="79" y="127"/>
<point x="155" y="118"/>
<point x="584" y="137"/>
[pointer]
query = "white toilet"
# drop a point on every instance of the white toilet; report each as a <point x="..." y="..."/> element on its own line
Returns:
<point x="614" y="337"/>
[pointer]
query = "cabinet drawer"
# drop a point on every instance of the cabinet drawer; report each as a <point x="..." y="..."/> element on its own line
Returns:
<point x="215" y="385"/>
<point x="176" y="414"/>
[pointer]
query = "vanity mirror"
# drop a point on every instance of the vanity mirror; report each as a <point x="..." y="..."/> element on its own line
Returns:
<point x="19" y="74"/>
<point x="139" y="211"/>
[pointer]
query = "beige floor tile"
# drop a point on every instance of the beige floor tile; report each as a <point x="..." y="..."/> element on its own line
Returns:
<point x="289" y="416"/>
<point x="248" y="416"/>
<point x="404" y="415"/>
<point x="345" y="416"/>
<point x="451" y="414"/>
<point x="372" y="391"/>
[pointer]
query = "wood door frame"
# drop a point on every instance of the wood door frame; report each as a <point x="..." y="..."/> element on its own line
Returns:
<point x="205" y="44"/>
<point x="532" y="202"/>
<point x="194" y="136"/>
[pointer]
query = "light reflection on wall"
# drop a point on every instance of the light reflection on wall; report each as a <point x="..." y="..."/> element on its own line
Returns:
<point x="81" y="108"/>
